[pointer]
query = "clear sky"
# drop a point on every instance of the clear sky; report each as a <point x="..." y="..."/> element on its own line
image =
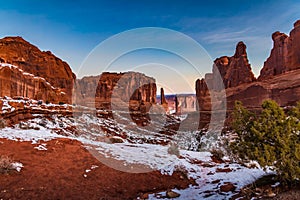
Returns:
<point x="71" y="29"/>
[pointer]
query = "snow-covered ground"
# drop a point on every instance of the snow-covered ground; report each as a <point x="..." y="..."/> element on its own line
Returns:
<point x="197" y="165"/>
<point x="134" y="152"/>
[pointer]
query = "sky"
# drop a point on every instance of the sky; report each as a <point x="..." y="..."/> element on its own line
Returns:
<point x="75" y="30"/>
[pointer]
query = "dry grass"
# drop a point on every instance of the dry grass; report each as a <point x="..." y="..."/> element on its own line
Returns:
<point x="2" y="123"/>
<point x="6" y="164"/>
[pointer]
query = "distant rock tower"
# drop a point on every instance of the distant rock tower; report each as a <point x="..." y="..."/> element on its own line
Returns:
<point x="163" y="101"/>
<point x="177" y="109"/>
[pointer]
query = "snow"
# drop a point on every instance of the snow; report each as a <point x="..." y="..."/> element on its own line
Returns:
<point x="4" y="65"/>
<point x="35" y="136"/>
<point x="89" y="170"/>
<point x="156" y="157"/>
<point x="17" y="166"/>
<point x="134" y="151"/>
<point x="6" y="107"/>
<point x="41" y="147"/>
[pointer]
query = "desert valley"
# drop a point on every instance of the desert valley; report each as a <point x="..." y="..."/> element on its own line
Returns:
<point x="110" y="136"/>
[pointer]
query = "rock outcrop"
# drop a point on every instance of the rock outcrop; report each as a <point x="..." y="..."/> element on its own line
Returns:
<point x="285" y="54"/>
<point x="279" y="79"/>
<point x="227" y="72"/>
<point x="18" y="52"/>
<point x="117" y="90"/>
<point x="234" y="70"/>
<point x="14" y="82"/>
<point x="163" y="100"/>
<point x="186" y="103"/>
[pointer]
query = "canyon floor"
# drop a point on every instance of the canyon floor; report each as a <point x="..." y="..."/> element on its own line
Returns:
<point x="90" y="157"/>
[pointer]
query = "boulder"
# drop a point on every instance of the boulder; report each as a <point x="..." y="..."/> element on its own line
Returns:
<point x="227" y="187"/>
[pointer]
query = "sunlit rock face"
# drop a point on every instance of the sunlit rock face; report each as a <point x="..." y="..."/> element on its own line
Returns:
<point x="117" y="90"/>
<point x="279" y="78"/>
<point x="27" y="57"/>
<point x="285" y="54"/>
<point x="227" y="72"/>
<point x="234" y="70"/>
<point x="14" y="82"/>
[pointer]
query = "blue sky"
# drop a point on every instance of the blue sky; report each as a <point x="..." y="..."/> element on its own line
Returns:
<point x="71" y="29"/>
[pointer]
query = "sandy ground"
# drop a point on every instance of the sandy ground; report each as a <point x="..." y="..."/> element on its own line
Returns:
<point x="59" y="173"/>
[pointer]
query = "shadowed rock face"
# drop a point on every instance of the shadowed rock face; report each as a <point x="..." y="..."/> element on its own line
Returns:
<point x="117" y="89"/>
<point x="17" y="51"/>
<point x="285" y="54"/>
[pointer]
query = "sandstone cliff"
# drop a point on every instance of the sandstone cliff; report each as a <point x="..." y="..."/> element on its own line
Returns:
<point x="231" y="71"/>
<point x="234" y="70"/>
<point x="15" y="82"/>
<point x="279" y="79"/>
<point x="116" y="89"/>
<point x="285" y="55"/>
<point x="17" y="51"/>
<point x="186" y="103"/>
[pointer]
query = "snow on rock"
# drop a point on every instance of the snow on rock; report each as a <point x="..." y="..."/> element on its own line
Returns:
<point x="28" y="135"/>
<point x="17" y="166"/>
<point x="92" y="131"/>
<point x="41" y="147"/>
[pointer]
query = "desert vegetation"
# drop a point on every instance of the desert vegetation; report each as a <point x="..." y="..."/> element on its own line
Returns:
<point x="271" y="137"/>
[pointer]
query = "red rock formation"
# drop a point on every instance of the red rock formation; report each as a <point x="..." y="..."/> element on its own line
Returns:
<point x="116" y="88"/>
<point x="186" y="103"/>
<point x="162" y="96"/>
<point x="16" y="82"/>
<point x="17" y="51"/>
<point x="203" y="95"/>
<point x="234" y="70"/>
<point x="279" y="79"/>
<point x="163" y="100"/>
<point x="285" y="54"/>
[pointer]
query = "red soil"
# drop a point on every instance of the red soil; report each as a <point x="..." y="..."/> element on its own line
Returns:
<point x="58" y="173"/>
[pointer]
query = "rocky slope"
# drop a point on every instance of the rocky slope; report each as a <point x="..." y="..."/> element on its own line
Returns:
<point x="279" y="78"/>
<point x="18" y="52"/>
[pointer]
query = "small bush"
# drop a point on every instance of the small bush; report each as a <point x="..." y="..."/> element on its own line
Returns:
<point x="6" y="164"/>
<point x="272" y="138"/>
<point x="2" y="123"/>
<point x="217" y="153"/>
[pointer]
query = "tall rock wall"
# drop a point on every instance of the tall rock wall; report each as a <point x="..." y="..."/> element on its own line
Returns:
<point x="285" y="54"/>
<point x="232" y="71"/>
<point x="279" y="79"/>
<point x="14" y="82"/>
<point x="17" y="51"/>
<point x="117" y="89"/>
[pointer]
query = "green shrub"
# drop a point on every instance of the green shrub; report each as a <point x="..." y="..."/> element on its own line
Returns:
<point x="272" y="138"/>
